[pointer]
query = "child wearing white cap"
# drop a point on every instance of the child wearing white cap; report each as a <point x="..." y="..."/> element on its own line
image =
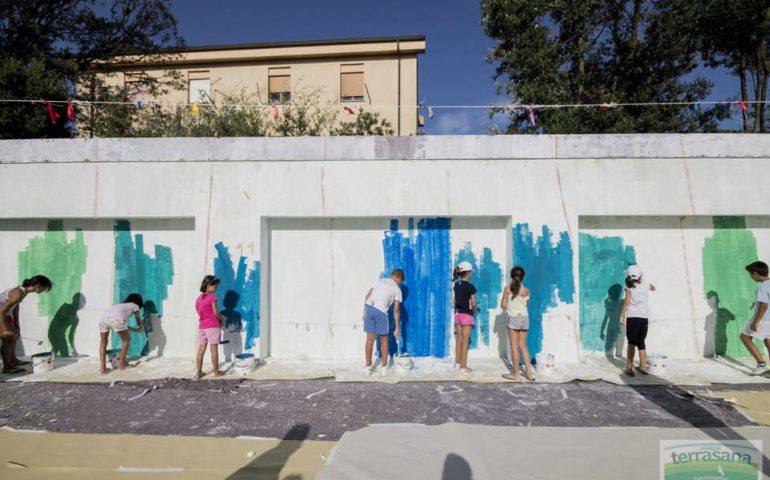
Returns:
<point x="758" y="325"/>
<point x="635" y="316"/>
<point x="465" y="306"/>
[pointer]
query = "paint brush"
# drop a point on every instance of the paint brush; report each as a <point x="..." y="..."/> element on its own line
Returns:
<point x="39" y="342"/>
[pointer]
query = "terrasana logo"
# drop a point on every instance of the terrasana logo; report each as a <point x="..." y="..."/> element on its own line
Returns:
<point x="711" y="460"/>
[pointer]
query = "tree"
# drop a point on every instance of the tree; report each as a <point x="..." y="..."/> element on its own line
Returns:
<point x="51" y="48"/>
<point x="365" y="123"/>
<point x="735" y="34"/>
<point x="240" y="114"/>
<point x="596" y="51"/>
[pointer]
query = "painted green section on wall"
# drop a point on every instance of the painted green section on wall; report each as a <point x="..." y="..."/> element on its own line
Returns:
<point x="726" y="285"/>
<point x="64" y="262"/>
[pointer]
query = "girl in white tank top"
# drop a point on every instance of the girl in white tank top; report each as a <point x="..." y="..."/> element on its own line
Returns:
<point x="515" y="301"/>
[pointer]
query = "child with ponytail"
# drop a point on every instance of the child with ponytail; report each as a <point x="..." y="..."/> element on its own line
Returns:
<point x="9" y="319"/>
<point x="465" y="306"/>
<point x="515" y="301"/>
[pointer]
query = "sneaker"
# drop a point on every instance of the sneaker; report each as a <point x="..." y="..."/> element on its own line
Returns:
<point x="457" y="366"/>
<point x="761" y="368"/>
<point x="368" y="370"/>
<point x="383" y="371"/>
<point x="466" y="371"/>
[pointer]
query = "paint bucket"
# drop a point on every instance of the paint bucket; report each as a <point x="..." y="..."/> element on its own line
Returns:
<point x="112" y="357"/>
<point x="245" y="363"/>
<point x="42" y="362"/>
<point x="545" y="361"/>
<point x="404" y="362"/>
<point x="657" y="364"/>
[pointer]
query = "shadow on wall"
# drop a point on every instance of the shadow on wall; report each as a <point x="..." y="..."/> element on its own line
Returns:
<point x="233" y="328"/>
<point x="456" y="468"/>
<point x="611" y="330"/>
<point x="61" y="331"/>
<point x="716" y="338"/>
<point x="156" y="337"/>
<point x="268" y="466"/>
<point x="503" y="345"/>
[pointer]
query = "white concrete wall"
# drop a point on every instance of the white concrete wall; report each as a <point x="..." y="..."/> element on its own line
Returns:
<point x="314" y="212"/>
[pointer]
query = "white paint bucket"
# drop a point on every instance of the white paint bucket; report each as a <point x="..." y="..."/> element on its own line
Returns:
<point x="404" y="362"/>
<point x="657" y="364"/>
<point x="112" y="357"/>
<point x="42" y="362"/>
<point x="245" y="363"/>
<point x="545" y="361"/>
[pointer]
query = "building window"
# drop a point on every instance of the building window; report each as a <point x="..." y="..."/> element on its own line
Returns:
<point x="199" y="90"/>
<point x="352" y="83"/>
<point x="279" y="85"/>
<point x="134" y="88"/>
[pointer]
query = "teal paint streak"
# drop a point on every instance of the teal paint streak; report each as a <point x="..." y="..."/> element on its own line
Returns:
<point x="602" y="266"/>
<point x="488" y="279"/>
<point x="137" y="271"/>
<point x="238" y="295"/>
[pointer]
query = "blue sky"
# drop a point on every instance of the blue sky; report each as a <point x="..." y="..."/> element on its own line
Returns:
<point x="452" y="71"/>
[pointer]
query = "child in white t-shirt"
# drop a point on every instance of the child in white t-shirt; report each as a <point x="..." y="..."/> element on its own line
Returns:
<point x="116" y="319"/>
<point x="758" y="325"/>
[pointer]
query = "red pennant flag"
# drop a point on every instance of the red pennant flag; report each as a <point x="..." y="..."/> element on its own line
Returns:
<point x="350" y="111"/>
<point x="52" y="113"/>
<point x="70" y="111"/>
<point x="742" y="104"/>
<point x="275" y="112"/>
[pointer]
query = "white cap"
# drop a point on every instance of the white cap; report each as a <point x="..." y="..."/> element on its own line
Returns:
<point x="464" y="267"/>
<point x="634" y="271"/>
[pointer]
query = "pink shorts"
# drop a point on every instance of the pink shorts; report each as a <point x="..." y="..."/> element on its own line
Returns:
<point x="208" y="335"/>
<point x="463" y="319"/>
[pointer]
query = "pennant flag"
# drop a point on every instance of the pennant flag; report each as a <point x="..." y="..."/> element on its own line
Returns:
<point x="274" y="110"/>
<point x="196" y="109"/>
<point x="531" y="115"/>
<point x="350" y="111"/>
<point x="608" y="105"/>
<point x="70" y="111"/>
<point x="430" y="113"/>
<point x="742" y="104"/>
<point x="52" y="113"/>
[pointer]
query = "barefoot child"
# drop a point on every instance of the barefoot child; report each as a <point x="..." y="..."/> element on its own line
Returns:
<point x="635" y="316"/>
<point x="465" y="306"/>
<point x="758" y="325"/>
<point x="209" y="324"/>
<point x="116" y="319"/>
<point x="515" y="301"/>
<point x="384" y="294"/>
<point x="9" y="319"/>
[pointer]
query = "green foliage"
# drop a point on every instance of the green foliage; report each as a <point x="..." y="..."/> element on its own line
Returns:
<point x="238" y="115"/>
<point x="734" y="34"/>
<point x="51" y="48"/>
<point x="597" y="51"/>
<point x="365" y="123"/>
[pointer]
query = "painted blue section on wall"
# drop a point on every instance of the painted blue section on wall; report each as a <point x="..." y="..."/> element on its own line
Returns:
<point x="136" y="271"/>
<point x="549" y="275"/>
<point x="425" y="256"/>
<point x="238" y="295"/>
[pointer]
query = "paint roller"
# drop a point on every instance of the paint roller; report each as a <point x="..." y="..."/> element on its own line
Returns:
<point x="39" y="342"/>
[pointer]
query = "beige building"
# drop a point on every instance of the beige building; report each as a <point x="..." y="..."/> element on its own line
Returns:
<point x="378" y="74"/>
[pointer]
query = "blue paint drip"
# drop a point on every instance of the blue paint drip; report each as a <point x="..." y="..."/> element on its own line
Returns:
<point x="549" y="275"/>
<point x="425" y="257"/>
<point x="238" y="295"/>
<point x="136" y="271"/>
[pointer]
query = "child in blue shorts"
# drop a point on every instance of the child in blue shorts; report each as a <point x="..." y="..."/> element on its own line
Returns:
<point x="385" y="293"/>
